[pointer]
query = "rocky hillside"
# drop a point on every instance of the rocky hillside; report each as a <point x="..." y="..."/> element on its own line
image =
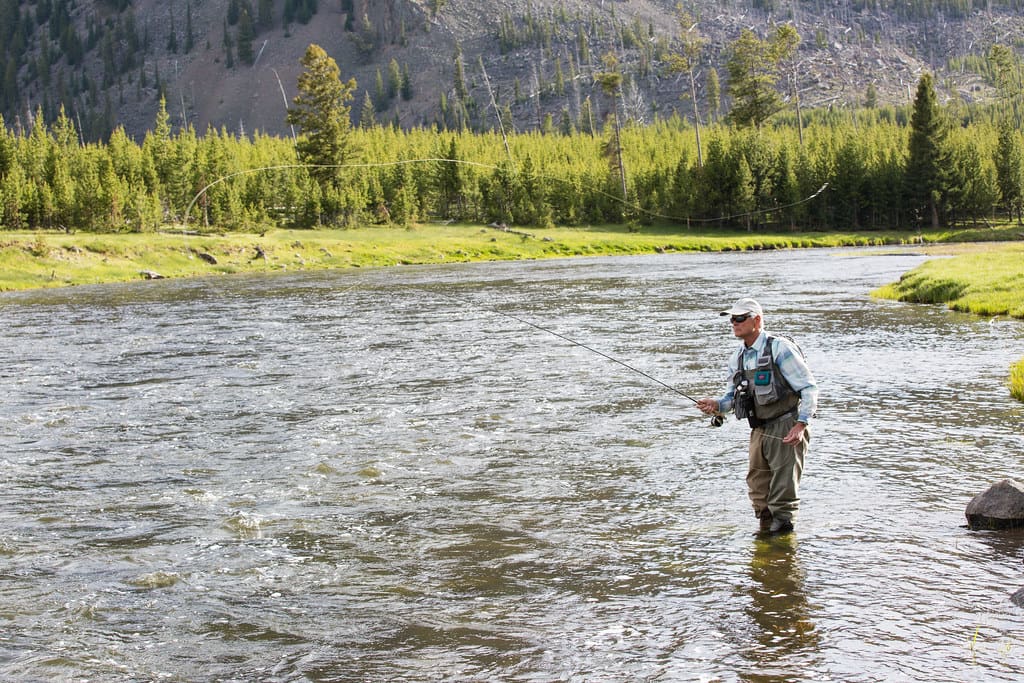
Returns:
<point x="234" y="63"/>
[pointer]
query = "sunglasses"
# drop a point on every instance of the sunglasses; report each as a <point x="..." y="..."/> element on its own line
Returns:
<point x="737" y="319"/>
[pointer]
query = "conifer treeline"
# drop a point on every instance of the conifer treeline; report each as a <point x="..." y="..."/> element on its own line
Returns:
<point x="750" y="178"/>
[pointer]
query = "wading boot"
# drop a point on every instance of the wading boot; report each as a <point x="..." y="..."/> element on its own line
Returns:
<point x="765" y="517"/>
<point x="780" y="525"/>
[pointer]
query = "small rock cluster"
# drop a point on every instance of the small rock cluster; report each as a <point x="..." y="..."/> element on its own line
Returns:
<point x="999" y="507"/>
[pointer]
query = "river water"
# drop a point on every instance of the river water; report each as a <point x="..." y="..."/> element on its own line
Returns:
<point x="381" y="476"/>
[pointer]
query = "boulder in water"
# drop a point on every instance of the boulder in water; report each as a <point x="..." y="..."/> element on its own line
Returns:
<point x="1000" y="507"/>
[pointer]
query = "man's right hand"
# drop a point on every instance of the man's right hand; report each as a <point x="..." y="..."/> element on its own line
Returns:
<point x="708" y="406"/>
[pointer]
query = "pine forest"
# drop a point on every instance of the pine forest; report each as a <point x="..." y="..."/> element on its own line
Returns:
<point x="760" y="162"/>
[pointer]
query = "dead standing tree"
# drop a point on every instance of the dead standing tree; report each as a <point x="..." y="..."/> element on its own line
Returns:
<point x="692" y="45"/>
<point x="610" y="81"/>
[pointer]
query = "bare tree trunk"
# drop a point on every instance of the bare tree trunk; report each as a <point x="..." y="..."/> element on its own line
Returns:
<point x="696" y="119"/>
<point x="497" y="114"/>
<point x="618" y="147"/>
<point x="799" y="113"/>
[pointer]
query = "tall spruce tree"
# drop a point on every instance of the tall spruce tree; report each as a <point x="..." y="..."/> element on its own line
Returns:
<point x="321" y="113"/>
<point x="924" y="178"/>
<point x="753" y="69"/>
<point x="368" y="114"/>
<point x="1009" y="161"/>
<point x="448" y="183"/>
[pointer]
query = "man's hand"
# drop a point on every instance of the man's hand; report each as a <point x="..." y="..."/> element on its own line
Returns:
<point x="795" y="435"/>
<point x="708" y="406"/>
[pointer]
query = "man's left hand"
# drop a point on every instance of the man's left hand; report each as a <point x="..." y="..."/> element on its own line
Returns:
<point x="795" y="435"/>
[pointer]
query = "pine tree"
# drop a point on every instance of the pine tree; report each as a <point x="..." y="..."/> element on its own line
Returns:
<point x="448" y="183"/>
<point x="380" y="95"/>
<point x="265" y="14"/>
<point x="6" y="149"/>
<point x="566" y="126"/>
<point x="871" y="96"/>
<point x="745" y="197"/>
<point x="403" y="205"/>
<point x="406" y="88"/>
<point x="14" y="186"/>
<point x="368" y="114"/>
<point x="172" y="39"/>
<point x="507" y="120"/>
<point x="753" y="67"/>
<point x="229" y="55"/>
<point x="321" y="113"/>
<point x="394" y="79"/>
<point x="973" y="187"/>
<point x="461" y="92"/>
<point x="924" y="180"/>
<point x="547" y="127"/>
<point x="246" y="34"/>
<point x="1005" y="68"/>
<point x="1009" y="162"/>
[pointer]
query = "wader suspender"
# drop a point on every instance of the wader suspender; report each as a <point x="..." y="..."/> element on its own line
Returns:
<point x="765" y="361"/>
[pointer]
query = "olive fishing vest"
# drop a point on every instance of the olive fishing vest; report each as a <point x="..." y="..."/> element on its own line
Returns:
<point x="762" y="394"/>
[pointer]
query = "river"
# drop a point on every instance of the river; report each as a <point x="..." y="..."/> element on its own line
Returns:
<point x="379" y="475"/>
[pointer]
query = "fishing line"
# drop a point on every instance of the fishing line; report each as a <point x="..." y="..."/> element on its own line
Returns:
<point x="717" y="420"/>
<point x="566" y="338"/>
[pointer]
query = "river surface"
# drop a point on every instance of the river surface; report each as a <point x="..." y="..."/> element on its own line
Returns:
<point x="380" y="476"/>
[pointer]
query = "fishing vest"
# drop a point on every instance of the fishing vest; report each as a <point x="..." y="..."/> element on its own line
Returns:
<point x="762" y="394"/>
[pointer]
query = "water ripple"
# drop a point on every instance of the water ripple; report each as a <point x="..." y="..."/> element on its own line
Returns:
<point x="378" y="476"/>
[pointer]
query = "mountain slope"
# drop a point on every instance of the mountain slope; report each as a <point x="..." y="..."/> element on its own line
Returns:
<point x="234" y="63"/>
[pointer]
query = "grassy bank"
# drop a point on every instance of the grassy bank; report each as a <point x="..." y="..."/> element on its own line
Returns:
<point x="36" y="260"/>
<point x="986" y="280"/>
<point x="1017" y="380"/>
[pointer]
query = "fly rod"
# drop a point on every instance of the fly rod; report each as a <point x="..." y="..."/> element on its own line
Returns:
<point x="716" y="420"/>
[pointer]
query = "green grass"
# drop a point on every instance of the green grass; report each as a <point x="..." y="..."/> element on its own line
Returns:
<point x="987" y="280"/>
<point x="34" y="260"/>
<point x="1017" y="380"/>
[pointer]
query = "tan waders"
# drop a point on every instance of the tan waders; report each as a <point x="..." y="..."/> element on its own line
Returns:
<point x="773" y="478"/>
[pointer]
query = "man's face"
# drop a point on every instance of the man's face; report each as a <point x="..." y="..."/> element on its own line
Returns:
<point x="745" y="325"/>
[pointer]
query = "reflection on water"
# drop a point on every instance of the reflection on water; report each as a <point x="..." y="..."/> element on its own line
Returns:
<point x="782" y="618"/>
<point x="379" y="476"/>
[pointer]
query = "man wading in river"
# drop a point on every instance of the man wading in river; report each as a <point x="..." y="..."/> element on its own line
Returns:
<point x="772" y="388"/>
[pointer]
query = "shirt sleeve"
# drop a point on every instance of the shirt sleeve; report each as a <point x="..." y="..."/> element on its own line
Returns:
<point x="725" y="402"/>
<point x="793" y="367"/>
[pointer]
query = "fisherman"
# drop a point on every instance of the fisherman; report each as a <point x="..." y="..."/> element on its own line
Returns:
<point x="772" y="388"/>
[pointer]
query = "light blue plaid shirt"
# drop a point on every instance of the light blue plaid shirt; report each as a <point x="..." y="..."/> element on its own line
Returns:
<point x="792" y="366"/>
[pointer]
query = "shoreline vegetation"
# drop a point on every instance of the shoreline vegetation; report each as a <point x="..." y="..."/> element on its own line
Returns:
<point x="38" y="259"/>
<point x="984" y="274"/>
<point x="985" y="280"/>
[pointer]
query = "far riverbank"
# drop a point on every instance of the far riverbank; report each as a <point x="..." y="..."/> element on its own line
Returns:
<point x="38" y="259"/>
<point x="987" y="276"/>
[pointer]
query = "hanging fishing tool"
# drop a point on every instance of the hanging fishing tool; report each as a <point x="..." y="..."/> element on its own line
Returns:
<point x="716" y="420"/>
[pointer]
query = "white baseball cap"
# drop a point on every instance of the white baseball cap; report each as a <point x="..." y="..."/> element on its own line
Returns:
<point x="743" y="307"/>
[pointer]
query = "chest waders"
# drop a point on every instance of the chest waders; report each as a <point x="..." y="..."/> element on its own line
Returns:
<point x="762" y="394"/>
